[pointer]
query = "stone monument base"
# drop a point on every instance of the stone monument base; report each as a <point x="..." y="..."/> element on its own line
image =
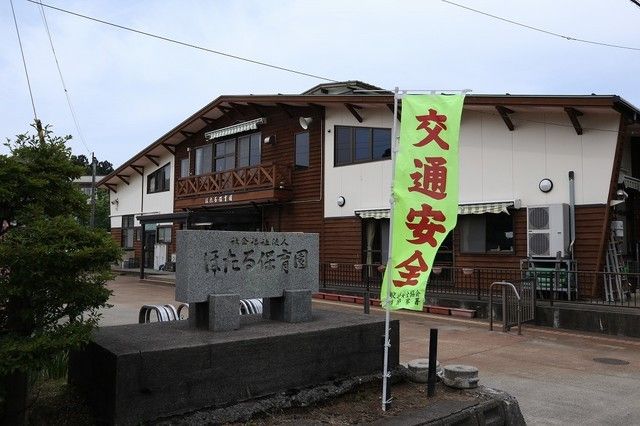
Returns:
<point x="136" y="373"/>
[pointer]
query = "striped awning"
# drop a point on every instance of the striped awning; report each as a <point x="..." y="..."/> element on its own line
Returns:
<point x="236" y="128"/>
<point x="373" y="214"/>
<point x="631" y="183"/>
<point x="476" y="208"/>
<point x="481" y="208"/>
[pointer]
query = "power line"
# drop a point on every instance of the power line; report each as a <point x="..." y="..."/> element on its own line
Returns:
<point x="182" y="43"/>
<point x="24" y="62"/>
<point x="64" y="86"/>
<point x="566" y="37"/>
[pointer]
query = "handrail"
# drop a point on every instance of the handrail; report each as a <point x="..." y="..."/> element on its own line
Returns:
<point x="504" y="285"/>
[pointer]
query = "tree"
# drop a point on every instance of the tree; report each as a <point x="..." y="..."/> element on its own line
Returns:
<point x="103" y="168"/>
<point x="53" y="269"/>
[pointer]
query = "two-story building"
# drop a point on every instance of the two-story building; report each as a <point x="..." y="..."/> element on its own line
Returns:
<point x="320" y="162"/>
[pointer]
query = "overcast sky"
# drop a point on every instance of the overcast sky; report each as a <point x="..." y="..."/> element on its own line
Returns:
<point x="127" y="90"/>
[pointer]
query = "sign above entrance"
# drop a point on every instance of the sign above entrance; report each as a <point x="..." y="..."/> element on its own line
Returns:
<point x="218" y="199"/>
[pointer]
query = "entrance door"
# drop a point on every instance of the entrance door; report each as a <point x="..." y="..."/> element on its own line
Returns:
<point x="149" y="243"/>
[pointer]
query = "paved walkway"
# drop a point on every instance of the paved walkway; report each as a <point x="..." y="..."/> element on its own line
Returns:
<point x="552" y="373"/>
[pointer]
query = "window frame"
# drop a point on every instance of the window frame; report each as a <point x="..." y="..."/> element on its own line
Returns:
<point x="184" y="160"/>
<point x="298" y="166"/>
<point x="163" y="184"/>
<point x="487" y="226"/>
<point x="253" y="137"/>
<point x="163" y="240"/>
<point x="352" y="145"/>
<point x="128" y="225"/>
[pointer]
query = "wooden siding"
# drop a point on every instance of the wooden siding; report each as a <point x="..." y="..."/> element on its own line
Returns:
<point x="342" y="240"/>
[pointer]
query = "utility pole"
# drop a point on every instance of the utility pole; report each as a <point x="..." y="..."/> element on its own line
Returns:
<point x="92" y="223"/>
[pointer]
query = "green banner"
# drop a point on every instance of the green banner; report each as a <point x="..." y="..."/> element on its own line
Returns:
<point x="425" y="192"/>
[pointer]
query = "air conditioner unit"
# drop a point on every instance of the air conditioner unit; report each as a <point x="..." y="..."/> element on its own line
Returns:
<point x="547" y="230"/>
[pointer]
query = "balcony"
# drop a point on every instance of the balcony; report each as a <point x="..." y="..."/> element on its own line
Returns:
<point x="265" y="182"/>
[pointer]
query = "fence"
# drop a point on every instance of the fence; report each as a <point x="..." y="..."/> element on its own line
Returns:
<point x="551" y="286"/>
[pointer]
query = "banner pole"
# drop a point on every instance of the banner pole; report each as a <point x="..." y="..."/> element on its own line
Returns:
<point x="386" y="400"/>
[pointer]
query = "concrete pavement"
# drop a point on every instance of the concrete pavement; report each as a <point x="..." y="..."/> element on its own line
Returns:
<point x="552" y="373"/>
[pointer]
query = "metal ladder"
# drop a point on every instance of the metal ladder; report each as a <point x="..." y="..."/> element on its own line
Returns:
<point x="614" y="266"/>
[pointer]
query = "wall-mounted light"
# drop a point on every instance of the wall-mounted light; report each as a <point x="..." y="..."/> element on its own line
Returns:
<point x="305" y="121"/>
<point x="340" y="201"/>
<point x="269" y="140"/>
<point x="545" y="185"/>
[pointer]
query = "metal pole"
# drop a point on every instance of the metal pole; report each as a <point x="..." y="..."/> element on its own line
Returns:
<point x="386" y="392"/>
<point x="433" y="356"/>
<point x="92" y="223"/>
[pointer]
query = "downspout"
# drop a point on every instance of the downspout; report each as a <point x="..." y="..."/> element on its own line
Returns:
<point x="572" y="212"/>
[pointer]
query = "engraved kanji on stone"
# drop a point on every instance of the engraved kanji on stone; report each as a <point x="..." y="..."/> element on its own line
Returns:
<point x="267" y="260"/>
<point x="300" y="259"/>
<point x="211" y="262"/>
<point x="431" y="179"/>
<point x="231" y="262"/>
<point x="284" y="257"/>
<point x="424" y="230"/>
<point x="433" y="133"/>
<point x="248" y="262"/>
<point x="410" y="269"/>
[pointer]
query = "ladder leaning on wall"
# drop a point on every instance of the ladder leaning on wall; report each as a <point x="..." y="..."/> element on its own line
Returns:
<point x="614" y="268"/>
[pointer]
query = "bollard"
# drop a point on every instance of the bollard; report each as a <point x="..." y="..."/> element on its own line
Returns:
<point x="367" y="302"/>
<point x="433" y="355"/>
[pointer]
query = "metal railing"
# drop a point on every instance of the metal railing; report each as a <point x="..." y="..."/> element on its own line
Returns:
<point x="474" y="283"/>
<point x="507" y="308"/>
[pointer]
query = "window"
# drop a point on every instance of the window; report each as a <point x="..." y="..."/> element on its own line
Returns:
<point x="128" y="231"/>
<point x="204" y="157"/>
<point x="229" y="154"/>
<point x="184" y="167"/>
<point x="164" y="234"/>
<point x="361" y="144"/>
<point x="249" y="150"/>
<point x="225" y="155"/>
<point x="160" y="180"/>
<point x="487" y="233"/>
<point x="302" y="149"/>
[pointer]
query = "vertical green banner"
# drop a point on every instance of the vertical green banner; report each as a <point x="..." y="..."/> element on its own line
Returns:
<point x="425" y="191"/>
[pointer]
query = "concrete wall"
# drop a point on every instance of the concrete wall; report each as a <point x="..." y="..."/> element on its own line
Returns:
<point x="495" y="164"/>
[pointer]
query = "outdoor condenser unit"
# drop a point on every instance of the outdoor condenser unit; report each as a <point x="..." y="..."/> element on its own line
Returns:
<point x="547" y="230"/>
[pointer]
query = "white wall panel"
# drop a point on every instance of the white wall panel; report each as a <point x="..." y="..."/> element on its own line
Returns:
<point x="495" y="164"/>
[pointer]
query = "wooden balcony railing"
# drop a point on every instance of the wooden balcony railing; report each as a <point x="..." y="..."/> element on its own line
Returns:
<point x="254" y="178"/>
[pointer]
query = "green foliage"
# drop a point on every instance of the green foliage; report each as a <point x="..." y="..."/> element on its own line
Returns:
<point x="102" y="167"/>
<point x="36" y="180"/>
<point x="53" y="269"/>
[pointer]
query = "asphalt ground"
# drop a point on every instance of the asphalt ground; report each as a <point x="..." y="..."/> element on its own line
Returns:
<point x="558" y="377"/>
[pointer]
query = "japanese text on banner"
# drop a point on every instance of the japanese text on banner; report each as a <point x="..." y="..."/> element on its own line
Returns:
<point x="425" y="191"/>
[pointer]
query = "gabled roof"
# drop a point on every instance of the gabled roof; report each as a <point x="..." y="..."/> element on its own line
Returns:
<point x="349" y="94"/>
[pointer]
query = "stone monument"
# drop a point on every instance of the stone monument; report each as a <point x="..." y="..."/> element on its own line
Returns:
<point x="218" y="268"/>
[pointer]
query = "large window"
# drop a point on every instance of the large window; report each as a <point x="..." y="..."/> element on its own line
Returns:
<point x="302" y="149"/>
<point x="160" y="180"/>
<point x="361" y="144"/>
<point x="228" y="154"/>
<point x="128" y="231"/>
<point x="486" y="233"/>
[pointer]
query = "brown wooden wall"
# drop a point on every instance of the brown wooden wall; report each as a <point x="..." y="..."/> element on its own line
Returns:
<point x="116" y="235"/>
<point x="342" y="240"/>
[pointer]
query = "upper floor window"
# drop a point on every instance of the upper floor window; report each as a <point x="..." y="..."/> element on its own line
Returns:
<point x="204" y="159"/>
<point x="160" y="180"/>
<point x="302" y="149"/>
<point x="228" y="154"/>
<point x="184" y="167"/>
<point x="361" y="144"/>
